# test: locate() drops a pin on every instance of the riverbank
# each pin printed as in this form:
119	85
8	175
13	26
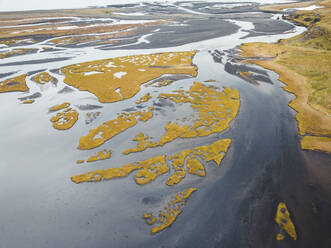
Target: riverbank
304	65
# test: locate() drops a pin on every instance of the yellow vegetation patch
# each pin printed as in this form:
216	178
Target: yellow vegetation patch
11	42
28	101
149	218
216	110
14	84
43	78
16	51
150	169
65	120
280	237
178	162
195	167
147	171
120	78
101	155
178	175
98	175
109	129
167	217
214	152
316	143
145	98
284	221
80	161
245	74
60	106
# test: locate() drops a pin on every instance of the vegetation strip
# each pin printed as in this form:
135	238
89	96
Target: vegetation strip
304	64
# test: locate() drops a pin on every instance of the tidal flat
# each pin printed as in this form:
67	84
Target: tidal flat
157	124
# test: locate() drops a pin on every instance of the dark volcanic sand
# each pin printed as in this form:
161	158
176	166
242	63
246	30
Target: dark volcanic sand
37	61
196	30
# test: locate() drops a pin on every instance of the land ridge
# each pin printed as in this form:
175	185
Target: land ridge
303	64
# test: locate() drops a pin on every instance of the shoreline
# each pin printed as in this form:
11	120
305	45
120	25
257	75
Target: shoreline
314	121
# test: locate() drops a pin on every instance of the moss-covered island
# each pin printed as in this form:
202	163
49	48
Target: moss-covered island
304	65
14	84
173	209
284	222
216	110
148	170
120	78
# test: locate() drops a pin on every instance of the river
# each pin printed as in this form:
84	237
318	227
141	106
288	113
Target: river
235	203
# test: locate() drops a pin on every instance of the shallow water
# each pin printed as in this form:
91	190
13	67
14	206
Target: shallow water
40	205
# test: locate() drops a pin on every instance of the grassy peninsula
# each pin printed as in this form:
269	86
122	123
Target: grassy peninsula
304	65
